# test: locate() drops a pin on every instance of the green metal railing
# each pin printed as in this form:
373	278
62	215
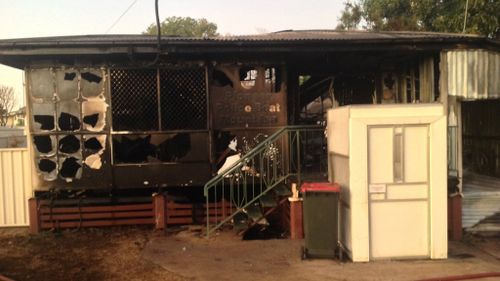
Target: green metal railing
287	155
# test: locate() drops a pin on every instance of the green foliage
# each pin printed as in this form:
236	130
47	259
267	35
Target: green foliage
184	27
483	16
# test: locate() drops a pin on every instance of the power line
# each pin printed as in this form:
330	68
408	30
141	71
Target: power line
120	17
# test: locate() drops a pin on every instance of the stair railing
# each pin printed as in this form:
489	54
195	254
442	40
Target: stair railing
284	156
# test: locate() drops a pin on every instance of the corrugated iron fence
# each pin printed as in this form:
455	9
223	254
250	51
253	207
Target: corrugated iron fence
15	186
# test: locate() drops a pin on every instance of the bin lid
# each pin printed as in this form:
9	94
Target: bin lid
319	187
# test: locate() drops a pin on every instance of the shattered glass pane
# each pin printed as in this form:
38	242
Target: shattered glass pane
68	116
94	114
45	145
94	143
41	83
47	168
92	82
43	117
69	144
70	168
133	149
67	84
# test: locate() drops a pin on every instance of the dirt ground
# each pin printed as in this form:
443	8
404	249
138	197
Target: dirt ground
87	254
132	253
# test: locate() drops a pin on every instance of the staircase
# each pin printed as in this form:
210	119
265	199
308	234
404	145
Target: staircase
259	182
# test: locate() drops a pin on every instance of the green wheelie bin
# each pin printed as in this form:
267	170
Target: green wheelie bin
321	219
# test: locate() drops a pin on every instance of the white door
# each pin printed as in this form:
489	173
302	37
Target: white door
398	186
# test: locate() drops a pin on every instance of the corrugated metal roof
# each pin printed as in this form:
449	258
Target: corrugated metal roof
281	36
473	74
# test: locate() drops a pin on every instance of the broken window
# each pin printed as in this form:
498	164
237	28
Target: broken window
68	116
70	168
69	144
45	145
93	82
248	77
43	117
133	149
94	143
41	84
272	80
48	168
168	147
56	105
67	84
94	114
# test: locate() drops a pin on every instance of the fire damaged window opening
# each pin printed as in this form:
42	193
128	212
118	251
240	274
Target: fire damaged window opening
250	77
91	77
93	144
69	76
182	105
69	144
70	167
68	122
43	144
140	149
46	165
46	121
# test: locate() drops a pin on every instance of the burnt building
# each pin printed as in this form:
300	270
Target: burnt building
115	112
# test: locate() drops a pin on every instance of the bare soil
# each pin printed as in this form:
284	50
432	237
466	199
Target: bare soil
87	254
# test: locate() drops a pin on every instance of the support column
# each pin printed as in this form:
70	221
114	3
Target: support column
34	216
160	211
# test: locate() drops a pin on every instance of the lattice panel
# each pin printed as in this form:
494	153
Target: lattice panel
183	99
134	100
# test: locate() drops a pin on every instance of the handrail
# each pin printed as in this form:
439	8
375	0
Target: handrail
256	150
271	171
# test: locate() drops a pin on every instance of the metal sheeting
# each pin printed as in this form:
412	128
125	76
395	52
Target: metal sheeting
481	202
15	187
473	74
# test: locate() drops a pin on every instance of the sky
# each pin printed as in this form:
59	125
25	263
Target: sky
36	18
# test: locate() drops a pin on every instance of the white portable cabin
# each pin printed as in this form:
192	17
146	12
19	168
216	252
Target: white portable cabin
390	161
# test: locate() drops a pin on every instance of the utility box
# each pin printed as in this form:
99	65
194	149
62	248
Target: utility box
321	222
390	161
